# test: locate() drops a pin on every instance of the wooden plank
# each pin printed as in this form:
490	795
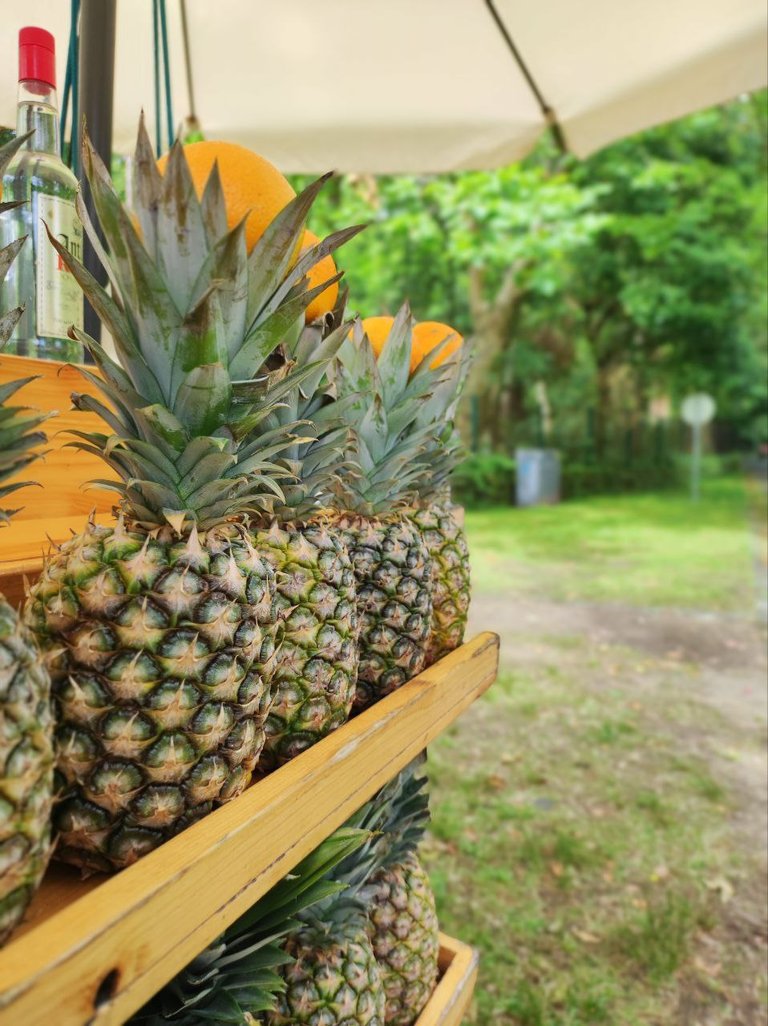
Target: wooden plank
458	966
63	470
96	959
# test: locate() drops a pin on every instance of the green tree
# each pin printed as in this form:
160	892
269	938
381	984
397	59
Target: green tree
583	286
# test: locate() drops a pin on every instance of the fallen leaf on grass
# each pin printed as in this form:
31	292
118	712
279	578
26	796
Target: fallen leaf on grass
496	782
723	888
556	869
584	936
706	968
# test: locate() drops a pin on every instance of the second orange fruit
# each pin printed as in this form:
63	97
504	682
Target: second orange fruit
426	335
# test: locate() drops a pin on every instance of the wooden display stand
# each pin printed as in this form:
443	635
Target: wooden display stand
91	952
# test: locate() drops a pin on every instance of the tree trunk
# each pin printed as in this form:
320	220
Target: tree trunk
492	322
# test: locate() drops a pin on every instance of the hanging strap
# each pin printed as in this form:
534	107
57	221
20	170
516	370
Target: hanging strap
162	70
69	151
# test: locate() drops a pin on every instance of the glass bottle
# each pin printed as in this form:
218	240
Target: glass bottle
37	176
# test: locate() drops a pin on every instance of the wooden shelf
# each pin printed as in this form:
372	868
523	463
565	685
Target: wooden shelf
458	968
92	952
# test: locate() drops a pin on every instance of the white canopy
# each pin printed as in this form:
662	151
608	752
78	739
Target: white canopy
421	85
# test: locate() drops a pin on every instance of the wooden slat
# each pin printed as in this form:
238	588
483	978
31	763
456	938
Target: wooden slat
458	967
99	957
64	470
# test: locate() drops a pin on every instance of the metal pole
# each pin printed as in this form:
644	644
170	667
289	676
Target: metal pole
695	461
96	87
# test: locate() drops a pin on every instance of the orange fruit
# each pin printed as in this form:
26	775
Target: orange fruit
377	329
427	335
251	185
318	273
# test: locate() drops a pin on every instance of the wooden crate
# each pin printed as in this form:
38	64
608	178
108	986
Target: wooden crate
62	503
92	952
458	976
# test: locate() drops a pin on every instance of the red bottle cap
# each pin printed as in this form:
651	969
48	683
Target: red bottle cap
37	56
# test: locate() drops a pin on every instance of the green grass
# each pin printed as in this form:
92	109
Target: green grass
580	833
577	867
653	549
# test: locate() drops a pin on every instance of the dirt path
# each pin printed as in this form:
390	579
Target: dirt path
701	680
710	659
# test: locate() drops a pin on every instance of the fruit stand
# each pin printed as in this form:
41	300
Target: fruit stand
96	949
91	948
236	667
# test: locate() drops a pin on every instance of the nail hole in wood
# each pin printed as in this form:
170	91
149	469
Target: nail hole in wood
107	988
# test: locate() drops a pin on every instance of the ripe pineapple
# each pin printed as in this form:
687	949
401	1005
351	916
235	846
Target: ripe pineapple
434	516
405	938
336	977
238	976
447	545
392	564
315	675
160	631
440	358
333	978
398	896
26	722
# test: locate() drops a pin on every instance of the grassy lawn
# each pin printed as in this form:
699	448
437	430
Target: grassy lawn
654	549
582	835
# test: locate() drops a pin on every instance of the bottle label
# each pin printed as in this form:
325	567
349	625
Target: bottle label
59	298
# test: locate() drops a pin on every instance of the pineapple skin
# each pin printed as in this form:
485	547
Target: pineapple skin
334	980
160	654
405	938
315	674
26	768
447	545
393	570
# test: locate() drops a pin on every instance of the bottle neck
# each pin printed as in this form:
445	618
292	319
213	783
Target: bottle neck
38	112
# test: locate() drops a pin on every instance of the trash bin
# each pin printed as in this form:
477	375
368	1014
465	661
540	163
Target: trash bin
537	476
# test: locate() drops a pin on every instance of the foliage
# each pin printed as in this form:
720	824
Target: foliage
590	290
484	478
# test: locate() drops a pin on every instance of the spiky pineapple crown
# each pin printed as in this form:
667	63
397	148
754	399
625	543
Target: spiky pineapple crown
194	318
396	818
403	441
318	459
19	436
235	977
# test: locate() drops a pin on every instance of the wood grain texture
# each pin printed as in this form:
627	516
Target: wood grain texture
63	472
96	957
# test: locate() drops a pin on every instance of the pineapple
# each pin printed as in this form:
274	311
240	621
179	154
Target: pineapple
26	721
442	375
333	978
160	630
315	675
392	563
398	896
447	545
238	976
405	938
435	516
